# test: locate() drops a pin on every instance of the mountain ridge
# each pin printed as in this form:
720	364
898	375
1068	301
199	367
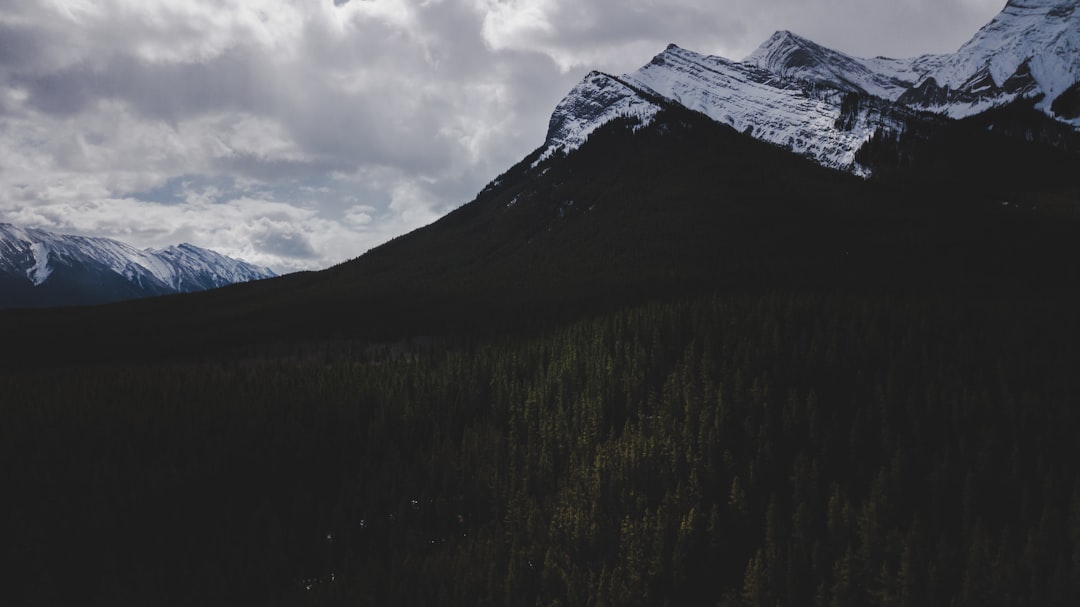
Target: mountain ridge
679	207
1036	41
40	268
791	56
793	92
640	149
656	361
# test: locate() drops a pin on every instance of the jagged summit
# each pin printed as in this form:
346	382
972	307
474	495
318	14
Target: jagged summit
595	101
38	267
1031	48
754	100
196	268
746	97
791	56
797	94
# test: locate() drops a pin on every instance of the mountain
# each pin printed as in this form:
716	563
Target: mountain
673	179
1030	50
794	58
748	98
40	269
676	309
677	207
826	105
657	361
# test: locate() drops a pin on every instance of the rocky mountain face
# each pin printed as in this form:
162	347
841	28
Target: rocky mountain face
40	268
826	105
1031	49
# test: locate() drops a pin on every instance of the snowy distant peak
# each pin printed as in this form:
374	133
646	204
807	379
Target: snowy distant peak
702	82
1031	42
748	97
595	101
44	250
1031	48
32	258
791	56
785	51
754	100
825	104
197	268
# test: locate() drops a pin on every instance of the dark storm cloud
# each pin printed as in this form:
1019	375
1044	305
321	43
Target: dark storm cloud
18	46
289	244
339	129
169	92
275	170
300	133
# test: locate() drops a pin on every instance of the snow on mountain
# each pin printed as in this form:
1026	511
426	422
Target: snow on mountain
1031	48
754	100
31	257
793	57
597	100
39	272
196	269
746	97
798	94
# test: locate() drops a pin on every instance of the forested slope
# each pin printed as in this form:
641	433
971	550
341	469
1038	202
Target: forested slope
676	366
682	207
781	449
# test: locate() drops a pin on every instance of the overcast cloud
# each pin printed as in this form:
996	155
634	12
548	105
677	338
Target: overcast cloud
300	134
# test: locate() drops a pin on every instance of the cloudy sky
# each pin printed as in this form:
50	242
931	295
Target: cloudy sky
298	134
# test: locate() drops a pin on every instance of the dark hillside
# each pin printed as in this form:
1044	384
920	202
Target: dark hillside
683	206
1005	152
755	451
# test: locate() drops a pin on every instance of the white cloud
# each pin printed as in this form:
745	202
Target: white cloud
300	133
360	215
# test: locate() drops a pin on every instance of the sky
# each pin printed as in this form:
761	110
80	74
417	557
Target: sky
299	134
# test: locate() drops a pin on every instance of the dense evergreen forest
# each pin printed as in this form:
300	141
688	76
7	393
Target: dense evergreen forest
777	449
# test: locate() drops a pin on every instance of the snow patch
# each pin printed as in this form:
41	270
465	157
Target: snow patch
1043	34
40	271
35	253
794	93
596	101
751	99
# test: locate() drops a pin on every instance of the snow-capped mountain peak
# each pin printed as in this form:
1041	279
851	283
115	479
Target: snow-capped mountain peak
1031	48
196	268
744	96
595	101
38	267
820	102
791	56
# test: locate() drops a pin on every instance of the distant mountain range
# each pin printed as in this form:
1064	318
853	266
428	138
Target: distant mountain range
799	167
827	105
39	268
1018	78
